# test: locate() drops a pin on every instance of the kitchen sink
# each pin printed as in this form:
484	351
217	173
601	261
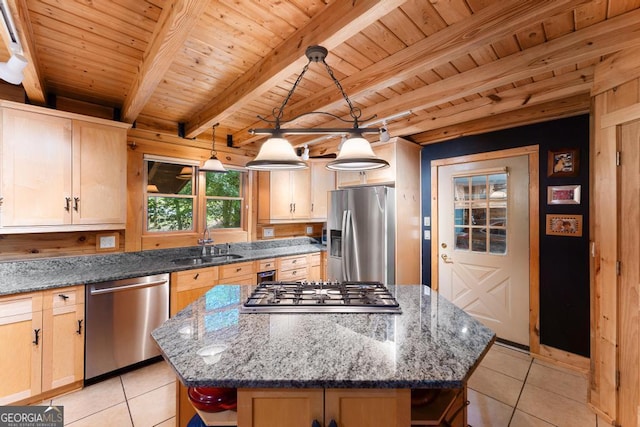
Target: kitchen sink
207	259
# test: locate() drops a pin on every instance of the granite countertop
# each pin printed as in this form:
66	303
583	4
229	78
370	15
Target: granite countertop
432	344
26	276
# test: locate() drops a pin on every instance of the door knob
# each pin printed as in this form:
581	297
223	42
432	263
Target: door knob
446	259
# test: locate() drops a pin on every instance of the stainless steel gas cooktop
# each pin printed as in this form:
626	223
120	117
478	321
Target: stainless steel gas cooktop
321	297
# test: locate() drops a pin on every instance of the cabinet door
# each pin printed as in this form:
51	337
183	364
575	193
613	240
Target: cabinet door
99	174
301	193
386	175
21	356
368	407
282	408
63	337
36	169
323	180
281	205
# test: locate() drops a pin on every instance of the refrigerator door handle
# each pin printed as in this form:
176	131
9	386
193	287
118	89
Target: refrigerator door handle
343	250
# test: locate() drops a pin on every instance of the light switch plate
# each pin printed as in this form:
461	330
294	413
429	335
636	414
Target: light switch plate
427	234
267	232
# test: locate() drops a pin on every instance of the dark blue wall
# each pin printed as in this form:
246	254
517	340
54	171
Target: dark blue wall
564	261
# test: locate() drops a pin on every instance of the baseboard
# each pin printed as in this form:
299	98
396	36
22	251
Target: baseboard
563	358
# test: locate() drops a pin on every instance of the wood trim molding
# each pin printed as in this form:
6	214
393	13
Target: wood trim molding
534	224
563	358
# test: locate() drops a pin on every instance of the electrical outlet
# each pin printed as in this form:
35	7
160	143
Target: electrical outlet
107	242
267	232
309	229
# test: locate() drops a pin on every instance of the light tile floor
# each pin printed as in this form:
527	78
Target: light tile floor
509	389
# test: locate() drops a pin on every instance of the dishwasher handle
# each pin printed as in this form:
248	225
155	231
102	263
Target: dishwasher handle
113	289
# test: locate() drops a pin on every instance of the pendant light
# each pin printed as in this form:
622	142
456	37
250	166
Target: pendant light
213	164
277	153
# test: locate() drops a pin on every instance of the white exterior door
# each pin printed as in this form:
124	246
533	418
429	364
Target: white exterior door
483	246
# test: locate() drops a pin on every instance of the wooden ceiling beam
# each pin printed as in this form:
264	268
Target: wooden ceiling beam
567	107
177	20
335	24
553	89
32	83
592	42
494	22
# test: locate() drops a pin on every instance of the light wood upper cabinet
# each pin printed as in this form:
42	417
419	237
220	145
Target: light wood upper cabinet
300	195
323	180
36	169
60	171
99	174
386	151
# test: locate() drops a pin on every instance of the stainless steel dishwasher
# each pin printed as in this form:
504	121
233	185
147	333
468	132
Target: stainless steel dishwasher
119	318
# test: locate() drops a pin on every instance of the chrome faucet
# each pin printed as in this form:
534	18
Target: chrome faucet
206	239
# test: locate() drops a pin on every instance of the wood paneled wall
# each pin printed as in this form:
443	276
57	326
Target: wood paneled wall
44	245
615	309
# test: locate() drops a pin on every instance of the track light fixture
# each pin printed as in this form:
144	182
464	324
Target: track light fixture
277	153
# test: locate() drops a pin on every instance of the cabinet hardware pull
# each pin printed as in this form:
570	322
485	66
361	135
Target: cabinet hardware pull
1	199
294	208
37	333
311	207
67	206
333	423
63	296
315	424
290	207
294	261
75	203
79	331
196	276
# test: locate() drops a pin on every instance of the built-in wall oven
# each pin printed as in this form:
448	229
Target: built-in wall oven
120	316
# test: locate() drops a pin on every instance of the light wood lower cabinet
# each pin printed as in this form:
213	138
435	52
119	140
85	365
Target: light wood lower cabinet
63	337
315	267
292	268
45	334
186	287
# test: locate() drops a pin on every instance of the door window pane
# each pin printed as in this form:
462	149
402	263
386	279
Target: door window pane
480	205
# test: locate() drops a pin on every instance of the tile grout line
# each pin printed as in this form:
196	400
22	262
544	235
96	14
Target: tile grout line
524	382
126	400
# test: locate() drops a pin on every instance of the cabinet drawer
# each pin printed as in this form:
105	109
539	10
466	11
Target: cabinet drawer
315	259
299	273
237	269
197	278
267	264
63	297
289	263
19	305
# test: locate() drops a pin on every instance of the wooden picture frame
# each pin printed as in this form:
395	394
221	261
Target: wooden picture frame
564	225
561	163
563	194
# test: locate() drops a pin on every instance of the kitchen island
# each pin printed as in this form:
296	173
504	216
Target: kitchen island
431	345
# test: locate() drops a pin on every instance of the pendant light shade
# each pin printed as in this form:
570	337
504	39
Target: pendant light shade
276	154
213	164
356	154
185	173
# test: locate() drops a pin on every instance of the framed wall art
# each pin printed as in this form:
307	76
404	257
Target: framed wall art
563	163
563	195
564	225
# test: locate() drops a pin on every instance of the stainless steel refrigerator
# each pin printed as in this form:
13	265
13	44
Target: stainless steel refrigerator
361	234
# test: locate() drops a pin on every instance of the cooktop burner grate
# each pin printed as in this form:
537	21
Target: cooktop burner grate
321	297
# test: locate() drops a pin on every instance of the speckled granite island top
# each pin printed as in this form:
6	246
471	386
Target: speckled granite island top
36	275
432	344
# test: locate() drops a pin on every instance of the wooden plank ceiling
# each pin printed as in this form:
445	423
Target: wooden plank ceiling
453	67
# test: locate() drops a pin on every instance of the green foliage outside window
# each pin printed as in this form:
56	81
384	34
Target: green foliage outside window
224	201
